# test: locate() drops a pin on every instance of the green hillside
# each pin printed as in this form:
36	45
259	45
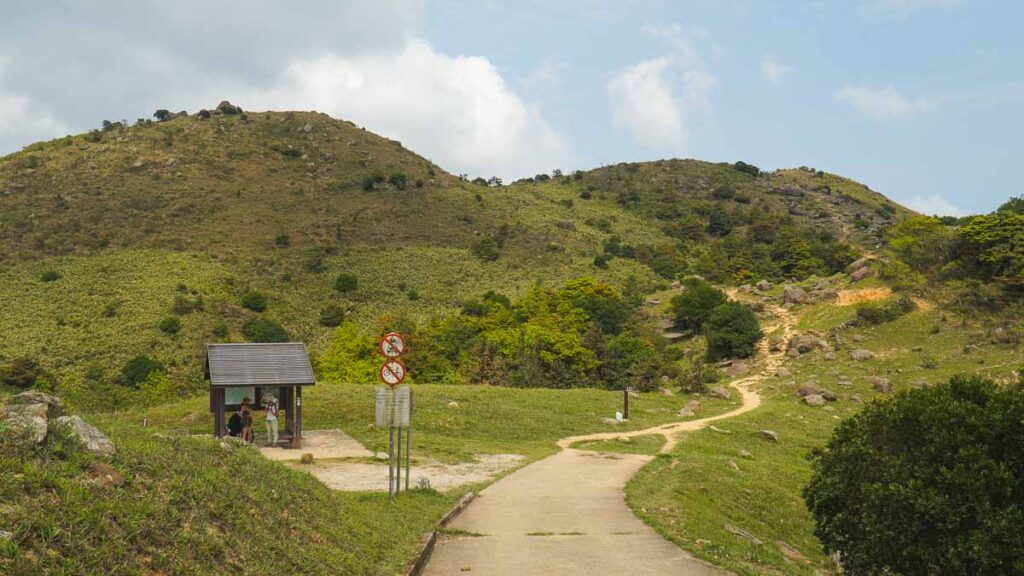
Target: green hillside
143	240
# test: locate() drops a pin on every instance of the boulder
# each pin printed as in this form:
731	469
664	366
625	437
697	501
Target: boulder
769	435
783	373
746	454
106	474
566	225
860	355
690	409
228	108
28	414
860	274
738	368
804	343
814	400
91	438
453	404
882	385
665	391
204	113
794	295
857	264
855	398
764	285
775	343
719	392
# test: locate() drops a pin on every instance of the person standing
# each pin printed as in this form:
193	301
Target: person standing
246	412
271	418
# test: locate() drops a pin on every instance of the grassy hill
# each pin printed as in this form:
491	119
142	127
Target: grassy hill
105	235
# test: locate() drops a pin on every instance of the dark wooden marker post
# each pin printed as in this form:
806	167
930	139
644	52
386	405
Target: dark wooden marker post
625	402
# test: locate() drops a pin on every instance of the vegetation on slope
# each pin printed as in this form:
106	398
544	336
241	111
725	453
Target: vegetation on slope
183	505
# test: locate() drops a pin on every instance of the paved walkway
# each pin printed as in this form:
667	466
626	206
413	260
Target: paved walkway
567	515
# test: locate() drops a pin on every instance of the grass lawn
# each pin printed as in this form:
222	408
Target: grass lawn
453	422
190	506
633	445
746	514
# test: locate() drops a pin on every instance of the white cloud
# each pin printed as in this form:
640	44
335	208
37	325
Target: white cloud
654	100
546	76
933	205
882	103
458	110
21	119
773	70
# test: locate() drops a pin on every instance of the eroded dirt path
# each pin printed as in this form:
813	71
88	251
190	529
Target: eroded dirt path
566	514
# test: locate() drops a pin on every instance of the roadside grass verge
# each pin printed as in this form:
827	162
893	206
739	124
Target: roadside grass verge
630	445
190	506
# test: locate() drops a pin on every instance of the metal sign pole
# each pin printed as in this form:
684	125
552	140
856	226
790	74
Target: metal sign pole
391	462
408	449
398	464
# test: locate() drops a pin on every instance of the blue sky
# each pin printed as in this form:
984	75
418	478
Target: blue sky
919	99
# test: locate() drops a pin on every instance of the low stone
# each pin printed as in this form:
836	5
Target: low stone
734	466
814	400
793	353
27	422
54	405
775	343
665	391
91	438
882	385
453	404
566	224
860	274
228	108
783	373
857	264
719	392
920	383
861	355
106	474
381	455
808	389
804	343
685	413
764	285
794	295
738	368
746	454
769	435
856	398
610	421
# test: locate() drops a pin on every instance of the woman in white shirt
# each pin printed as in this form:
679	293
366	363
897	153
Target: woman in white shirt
271	419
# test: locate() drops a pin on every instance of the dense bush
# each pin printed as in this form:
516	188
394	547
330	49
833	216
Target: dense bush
397	180
887	312
486	249
693	306
747	168
253	300
584	334
20	373
50	276
346	283
136	370
731	331
332	315
184	305
170	325
930	482
264	330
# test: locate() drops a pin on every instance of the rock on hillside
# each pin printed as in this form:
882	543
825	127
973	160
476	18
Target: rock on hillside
31	417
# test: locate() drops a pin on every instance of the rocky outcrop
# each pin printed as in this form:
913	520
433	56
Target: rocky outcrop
719	392
228	108
882	385
32	416
764	285
91	438
794	295
804	343
860	274
860	355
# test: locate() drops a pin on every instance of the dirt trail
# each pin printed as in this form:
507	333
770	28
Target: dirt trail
861	295
770	362
566	514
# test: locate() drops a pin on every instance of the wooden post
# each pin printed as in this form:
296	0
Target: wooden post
625	403
288	406
297	435
217	402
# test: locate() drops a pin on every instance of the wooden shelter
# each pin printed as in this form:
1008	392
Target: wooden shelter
236	371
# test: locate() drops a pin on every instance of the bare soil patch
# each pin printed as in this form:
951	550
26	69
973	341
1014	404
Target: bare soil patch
862	295
373	477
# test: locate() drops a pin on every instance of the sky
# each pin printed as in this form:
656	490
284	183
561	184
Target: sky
922	100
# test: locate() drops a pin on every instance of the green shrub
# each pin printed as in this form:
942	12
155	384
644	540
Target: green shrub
220	330
601	261
170	325
331	316
253	300
282	240
412	295
586	195
731	331
264	330
20	373
184	305
927	483
371	181
693	307
747	168
887	312
346	283
397	180
136	370
50	276
486	249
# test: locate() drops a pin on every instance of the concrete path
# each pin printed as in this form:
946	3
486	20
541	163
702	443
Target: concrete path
567	515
